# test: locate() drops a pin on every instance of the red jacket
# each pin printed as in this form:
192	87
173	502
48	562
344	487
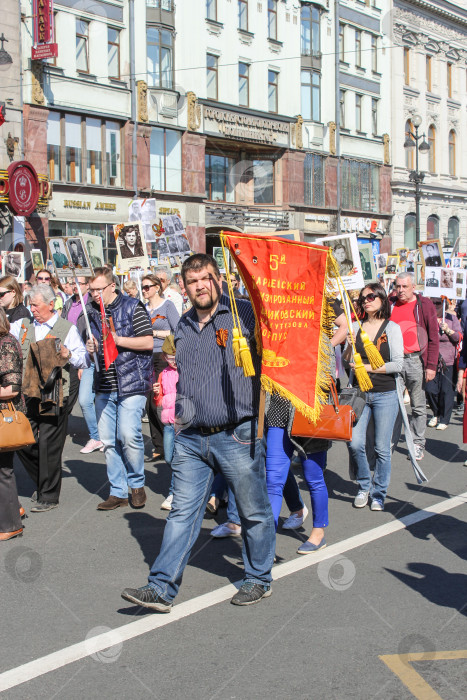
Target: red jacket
427	331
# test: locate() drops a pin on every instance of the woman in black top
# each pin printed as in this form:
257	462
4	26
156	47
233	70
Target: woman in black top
11	298
381	401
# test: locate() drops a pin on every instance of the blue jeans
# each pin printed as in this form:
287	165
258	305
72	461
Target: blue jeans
239	455
279	453
119	424
291	496
384	406
169	439
86	398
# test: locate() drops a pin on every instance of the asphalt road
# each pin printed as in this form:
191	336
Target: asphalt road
388	585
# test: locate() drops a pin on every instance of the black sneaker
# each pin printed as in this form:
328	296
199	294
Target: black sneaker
43	507
148	598
250	593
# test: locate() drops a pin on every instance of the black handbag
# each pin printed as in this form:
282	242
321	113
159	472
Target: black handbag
353	396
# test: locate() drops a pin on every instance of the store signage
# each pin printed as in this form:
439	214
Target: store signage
79	204
245	127
23	188
355	224
43	30
321	219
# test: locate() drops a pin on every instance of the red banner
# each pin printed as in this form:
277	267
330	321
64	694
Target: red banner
286	281
42	21
108	343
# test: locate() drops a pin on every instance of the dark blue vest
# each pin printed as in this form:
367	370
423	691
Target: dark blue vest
134	368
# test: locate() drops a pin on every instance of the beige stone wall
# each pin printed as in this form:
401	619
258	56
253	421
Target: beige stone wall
10	82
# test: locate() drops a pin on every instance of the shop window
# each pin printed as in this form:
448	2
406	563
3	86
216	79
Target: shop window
432	227
360	185
159	46
94	151
211	76
272	19
73	145
53	146
432	151
410	237
82	46
273	91
112	146
314	180
310	30
243	84
263	181
243	15
452	152
453	230
220	185
166	160
310	95
113	52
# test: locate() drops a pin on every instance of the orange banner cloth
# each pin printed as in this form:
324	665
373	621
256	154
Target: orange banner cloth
287	282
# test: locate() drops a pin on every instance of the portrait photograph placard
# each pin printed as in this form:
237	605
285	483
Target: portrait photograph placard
131	246
419	274
78	256
218	256
94	249
381	260
37	260
433	282
345	251
60	257
431	253
392	264
367	261
13	265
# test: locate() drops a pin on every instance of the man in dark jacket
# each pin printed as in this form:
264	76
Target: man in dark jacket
122	388
416	316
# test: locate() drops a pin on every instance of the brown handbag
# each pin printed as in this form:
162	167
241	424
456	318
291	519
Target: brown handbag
15	429
334	423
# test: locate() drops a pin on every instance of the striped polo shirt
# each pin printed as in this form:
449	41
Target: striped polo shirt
211	390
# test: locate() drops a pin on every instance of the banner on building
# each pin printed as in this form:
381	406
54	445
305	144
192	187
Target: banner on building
288	283
43	30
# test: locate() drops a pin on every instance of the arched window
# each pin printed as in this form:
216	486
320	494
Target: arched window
452	152
409	152
453	230
410	238
432	227
432	151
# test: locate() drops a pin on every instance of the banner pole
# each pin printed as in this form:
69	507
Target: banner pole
86	318
262	406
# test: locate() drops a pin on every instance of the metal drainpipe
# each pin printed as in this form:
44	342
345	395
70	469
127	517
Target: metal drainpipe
337	116
134	147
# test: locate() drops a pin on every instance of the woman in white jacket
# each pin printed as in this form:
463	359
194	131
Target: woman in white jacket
382	401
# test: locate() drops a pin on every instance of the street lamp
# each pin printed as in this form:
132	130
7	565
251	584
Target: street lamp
416	176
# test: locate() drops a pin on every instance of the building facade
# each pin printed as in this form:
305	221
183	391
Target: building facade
429	80
224	111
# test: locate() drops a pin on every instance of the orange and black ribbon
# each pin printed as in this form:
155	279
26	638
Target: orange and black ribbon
221	337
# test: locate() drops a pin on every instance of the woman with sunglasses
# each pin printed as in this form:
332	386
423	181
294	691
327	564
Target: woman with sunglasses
44	277
11	299
382	401
164	319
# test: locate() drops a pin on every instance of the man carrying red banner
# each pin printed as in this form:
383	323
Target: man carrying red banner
122	337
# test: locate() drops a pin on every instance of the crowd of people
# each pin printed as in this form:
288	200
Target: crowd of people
174	370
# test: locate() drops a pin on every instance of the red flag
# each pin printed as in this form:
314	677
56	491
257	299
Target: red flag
2	116
108	343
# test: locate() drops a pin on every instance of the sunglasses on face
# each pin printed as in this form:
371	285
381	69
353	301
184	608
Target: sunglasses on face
147	287
43	279
369	297
2	294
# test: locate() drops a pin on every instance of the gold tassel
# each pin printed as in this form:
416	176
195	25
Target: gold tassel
245	356
236	346
372	352
364	381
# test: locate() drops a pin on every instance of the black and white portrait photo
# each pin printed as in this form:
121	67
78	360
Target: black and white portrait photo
182	243
131	246
13	265
345	252
432	253
78	255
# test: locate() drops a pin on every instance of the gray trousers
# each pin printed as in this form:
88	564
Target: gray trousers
413	377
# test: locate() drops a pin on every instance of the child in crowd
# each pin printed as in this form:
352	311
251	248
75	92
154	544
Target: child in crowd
165	392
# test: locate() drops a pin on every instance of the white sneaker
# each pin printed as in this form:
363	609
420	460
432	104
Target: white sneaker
144	419
294	521
225	531
91	446
433	422
419	453
441	426
167	504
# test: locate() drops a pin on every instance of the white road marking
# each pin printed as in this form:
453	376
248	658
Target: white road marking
81	650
